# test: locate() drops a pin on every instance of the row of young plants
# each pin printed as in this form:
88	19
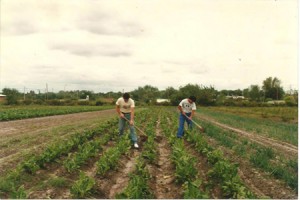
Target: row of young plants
138	186
264	158
285	132
24	112
222	172
85	151
284	114
84	187
185	164
109	160
11	185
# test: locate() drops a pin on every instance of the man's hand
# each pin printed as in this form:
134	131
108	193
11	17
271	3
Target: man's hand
122	115
131	122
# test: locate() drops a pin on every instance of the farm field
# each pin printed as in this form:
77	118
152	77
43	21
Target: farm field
23	112
81	156
283	114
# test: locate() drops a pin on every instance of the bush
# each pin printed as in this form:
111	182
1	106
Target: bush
55	102
83	103
290	101
27	102
99	103
39	102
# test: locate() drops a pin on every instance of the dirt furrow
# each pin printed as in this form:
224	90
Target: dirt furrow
203	168
121	178
57	170
32	135
164	185
283	146
262	184
19	127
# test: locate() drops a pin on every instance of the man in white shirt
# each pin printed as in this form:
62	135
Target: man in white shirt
187	109
125	109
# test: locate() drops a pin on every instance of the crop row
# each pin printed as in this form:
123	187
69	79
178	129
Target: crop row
282	131
264	158
85	186
13	113
11	184
138	186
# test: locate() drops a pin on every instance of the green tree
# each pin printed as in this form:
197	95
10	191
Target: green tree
185	92
290	100
169	92
12	95
246	93
254	92
272	89
147	94
207	96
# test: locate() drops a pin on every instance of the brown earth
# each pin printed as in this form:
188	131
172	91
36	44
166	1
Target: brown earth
262	184
163	184
284	147
23	137
31	135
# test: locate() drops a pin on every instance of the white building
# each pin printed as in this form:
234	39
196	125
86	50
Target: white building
162	100
2	97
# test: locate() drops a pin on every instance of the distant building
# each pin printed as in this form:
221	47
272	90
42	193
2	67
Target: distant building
235	97
2	97
276	102
162	100
86	99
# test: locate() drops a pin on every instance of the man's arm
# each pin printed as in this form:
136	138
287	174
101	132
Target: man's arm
193	113
180	109
131	115
119	111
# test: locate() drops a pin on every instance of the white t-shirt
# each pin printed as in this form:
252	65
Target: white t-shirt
125	106
186	106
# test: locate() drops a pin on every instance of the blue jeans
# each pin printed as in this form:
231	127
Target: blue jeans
182	119
122	124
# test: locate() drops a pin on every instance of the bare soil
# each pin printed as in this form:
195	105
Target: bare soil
281	146
262	184
163	184
23	137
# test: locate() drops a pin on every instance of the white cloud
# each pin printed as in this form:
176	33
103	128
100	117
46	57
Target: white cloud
108	45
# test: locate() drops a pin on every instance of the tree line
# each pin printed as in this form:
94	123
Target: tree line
254	95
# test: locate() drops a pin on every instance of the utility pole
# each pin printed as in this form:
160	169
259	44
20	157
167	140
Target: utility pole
46	91
24	93
65	91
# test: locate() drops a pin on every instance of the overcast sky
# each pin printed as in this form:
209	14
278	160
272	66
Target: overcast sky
122	45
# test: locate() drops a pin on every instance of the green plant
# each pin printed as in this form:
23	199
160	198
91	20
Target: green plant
232	188
185	164
192	190
58	182
19	193
137	187
30	166
82	187
214	156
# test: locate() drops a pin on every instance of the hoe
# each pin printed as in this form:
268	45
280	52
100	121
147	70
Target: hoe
200	127
143	136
